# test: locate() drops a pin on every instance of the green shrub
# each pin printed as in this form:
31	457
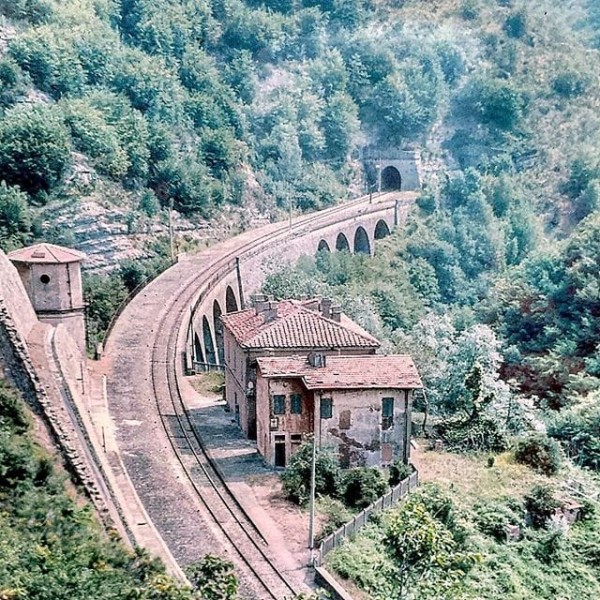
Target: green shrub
549	546
15	218
336	514
515	25
13	82
494	102
363	485
296	478
214	578
583	170
50	58
493	519
97	139
398	472
149	203
483	434
570	84
540	505
34	148
469	10
34	11
578	430
440	505
540	453
12	411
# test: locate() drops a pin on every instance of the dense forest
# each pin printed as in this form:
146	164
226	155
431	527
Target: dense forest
493	285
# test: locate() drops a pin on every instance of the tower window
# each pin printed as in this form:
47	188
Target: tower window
45	278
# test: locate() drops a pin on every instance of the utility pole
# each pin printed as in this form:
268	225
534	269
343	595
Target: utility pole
313	472
289	199
171	244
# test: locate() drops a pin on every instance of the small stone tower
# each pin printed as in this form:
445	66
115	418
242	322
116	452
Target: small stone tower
52	277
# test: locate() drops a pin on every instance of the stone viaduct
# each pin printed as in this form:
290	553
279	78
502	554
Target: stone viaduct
353	227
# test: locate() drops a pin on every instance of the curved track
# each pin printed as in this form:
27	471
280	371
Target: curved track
181	488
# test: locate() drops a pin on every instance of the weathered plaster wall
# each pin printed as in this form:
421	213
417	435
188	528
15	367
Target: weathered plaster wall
355	426
288	424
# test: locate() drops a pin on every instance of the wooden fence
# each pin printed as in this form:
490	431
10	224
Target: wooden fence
392	497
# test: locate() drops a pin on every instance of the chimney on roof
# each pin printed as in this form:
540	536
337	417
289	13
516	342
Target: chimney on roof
336	313
270	312
317	359
326	307
261	303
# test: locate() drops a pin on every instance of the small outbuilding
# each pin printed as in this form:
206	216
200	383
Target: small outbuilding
51	276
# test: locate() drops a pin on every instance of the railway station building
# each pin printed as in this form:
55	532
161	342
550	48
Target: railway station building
286	328
298	367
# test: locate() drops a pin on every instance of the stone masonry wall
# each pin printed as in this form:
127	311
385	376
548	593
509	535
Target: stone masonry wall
18	328
14	295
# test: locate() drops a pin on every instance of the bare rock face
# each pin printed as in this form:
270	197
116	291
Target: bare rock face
7	33
109	234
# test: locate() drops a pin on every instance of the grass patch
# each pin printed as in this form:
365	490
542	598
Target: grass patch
211	382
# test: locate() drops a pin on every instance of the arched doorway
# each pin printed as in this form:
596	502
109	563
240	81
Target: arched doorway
341	243
231	304
381	230
211	357
361	242
391	179
218	331
323	246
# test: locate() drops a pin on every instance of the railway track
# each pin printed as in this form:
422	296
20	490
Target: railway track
234	528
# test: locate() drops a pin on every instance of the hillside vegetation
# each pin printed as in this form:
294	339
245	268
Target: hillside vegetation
211	103
222	106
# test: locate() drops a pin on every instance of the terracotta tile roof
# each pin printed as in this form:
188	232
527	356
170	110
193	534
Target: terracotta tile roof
295	326
46	254
346	372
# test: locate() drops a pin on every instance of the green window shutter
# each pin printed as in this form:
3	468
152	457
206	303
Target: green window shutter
326	408
296	404
279	405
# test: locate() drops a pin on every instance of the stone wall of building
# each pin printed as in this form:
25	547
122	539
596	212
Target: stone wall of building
27	362
286	429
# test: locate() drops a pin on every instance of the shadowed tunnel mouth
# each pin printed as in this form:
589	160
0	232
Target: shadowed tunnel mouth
391	179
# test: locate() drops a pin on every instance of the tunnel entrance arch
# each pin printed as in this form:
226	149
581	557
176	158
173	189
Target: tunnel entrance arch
391	180
231	304
381	230
341	243
361	242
